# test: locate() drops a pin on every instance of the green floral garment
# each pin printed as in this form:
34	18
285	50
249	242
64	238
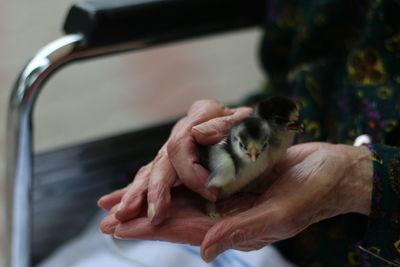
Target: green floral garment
341	61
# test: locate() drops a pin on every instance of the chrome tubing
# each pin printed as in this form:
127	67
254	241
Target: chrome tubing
19	150
19	157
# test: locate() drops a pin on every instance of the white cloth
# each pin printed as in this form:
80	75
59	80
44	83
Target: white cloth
93	249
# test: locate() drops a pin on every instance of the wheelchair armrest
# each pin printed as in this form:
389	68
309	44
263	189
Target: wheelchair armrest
105	22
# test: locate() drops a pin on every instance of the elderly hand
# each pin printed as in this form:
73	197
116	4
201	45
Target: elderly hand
206	123
316	181
186	221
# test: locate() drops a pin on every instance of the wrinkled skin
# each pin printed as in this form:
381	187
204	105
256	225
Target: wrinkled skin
315	181
177	158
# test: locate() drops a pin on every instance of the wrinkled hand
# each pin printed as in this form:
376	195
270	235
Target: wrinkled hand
186	221
206	123
316	181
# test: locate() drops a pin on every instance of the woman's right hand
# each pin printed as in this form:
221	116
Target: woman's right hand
206	123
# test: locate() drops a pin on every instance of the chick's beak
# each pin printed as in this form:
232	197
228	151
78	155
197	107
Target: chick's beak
254	153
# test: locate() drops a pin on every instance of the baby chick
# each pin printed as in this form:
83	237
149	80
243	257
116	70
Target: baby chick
242	161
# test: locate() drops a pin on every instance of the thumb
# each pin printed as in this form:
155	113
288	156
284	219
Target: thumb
249	230
214	130
216	240
240	231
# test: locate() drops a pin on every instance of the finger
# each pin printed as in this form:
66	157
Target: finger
180	230
114	209
177	183
214	130
203	110
186	163
183	155
108	201
162	179
108	224
182	148
259	244
132	201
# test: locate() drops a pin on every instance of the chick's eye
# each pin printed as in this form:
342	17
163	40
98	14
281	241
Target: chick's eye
242	145
280	120
264	145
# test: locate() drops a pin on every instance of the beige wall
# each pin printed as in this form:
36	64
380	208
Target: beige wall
110	95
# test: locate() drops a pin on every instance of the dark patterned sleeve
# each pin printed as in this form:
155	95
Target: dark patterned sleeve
382	238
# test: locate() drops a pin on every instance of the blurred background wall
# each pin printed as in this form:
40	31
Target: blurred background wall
110	95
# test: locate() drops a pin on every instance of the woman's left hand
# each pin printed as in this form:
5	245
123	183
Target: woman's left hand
316	181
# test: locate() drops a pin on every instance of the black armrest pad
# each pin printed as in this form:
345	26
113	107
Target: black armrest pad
105	22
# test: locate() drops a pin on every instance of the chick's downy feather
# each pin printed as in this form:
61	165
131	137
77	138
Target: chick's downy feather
244	158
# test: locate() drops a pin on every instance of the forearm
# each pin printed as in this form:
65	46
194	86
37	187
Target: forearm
358	183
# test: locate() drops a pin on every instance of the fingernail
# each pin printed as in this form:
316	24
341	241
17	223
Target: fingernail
101	200
118	237
151	211
120	206
209	195
206	130
108	227
211	252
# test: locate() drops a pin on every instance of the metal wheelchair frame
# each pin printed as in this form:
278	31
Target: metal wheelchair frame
91	33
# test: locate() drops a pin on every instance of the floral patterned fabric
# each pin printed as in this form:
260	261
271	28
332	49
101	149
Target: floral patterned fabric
340	59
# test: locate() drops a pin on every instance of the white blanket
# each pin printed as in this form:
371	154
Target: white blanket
93	249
